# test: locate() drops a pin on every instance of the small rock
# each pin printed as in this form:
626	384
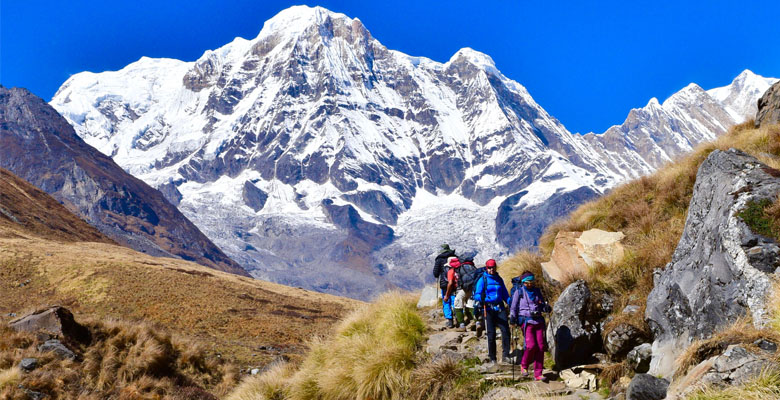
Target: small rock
631	309
12	314
504	393
579	378
29	364
254	371
58	348
647	387
766	345
639	358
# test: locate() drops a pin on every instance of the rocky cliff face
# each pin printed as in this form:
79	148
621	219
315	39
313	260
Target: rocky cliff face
261	136
720	270
38	145
769	107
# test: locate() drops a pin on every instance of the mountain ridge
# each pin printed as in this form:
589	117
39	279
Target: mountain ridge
324	112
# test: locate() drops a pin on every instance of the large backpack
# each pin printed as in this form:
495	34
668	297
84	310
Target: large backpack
517	283
469	275
440	267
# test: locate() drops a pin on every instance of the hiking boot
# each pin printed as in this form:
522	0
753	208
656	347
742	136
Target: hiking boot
480	329
508	360
462	327
448	325
523	372
542	379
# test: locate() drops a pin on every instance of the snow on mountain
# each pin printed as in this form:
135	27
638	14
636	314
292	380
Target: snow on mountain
315	156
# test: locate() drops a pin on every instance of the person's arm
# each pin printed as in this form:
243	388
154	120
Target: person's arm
477	296
503	294
450	284
513	308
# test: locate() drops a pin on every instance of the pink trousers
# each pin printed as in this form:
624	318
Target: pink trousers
534	342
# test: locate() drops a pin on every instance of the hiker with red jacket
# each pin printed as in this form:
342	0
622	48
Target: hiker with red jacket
528	303
454	291
440	272
491	295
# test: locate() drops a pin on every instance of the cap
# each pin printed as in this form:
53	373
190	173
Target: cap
490	263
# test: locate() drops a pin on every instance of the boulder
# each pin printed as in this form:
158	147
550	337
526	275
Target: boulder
429	297
575	253
734	366
769	107
55	321
621	340
639	358
720	270
57	348
571	335
647	387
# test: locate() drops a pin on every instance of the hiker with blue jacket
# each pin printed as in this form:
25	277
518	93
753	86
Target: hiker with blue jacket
490	294
528	303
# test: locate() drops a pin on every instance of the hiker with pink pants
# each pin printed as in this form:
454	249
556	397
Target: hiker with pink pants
528	303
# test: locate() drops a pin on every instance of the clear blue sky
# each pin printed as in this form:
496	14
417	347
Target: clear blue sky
587	63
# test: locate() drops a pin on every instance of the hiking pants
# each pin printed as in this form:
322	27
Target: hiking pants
534	343
497	318
458	303
446	307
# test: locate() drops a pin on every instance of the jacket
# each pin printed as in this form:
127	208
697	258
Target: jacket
493	287
525	303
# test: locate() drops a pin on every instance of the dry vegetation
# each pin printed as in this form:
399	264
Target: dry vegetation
374	354
651	211
123	360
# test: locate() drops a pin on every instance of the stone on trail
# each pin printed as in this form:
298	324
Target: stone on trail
428	298
580	378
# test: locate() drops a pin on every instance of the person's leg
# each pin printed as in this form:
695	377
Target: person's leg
530	347
457	305
539	357
490	324
446	306
506	337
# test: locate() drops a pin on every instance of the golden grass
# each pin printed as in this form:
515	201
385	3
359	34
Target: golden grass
270	385
235	315
371	355
651	211
124	360
765	386
9	377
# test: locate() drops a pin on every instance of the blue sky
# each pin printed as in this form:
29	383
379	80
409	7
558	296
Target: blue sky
587	63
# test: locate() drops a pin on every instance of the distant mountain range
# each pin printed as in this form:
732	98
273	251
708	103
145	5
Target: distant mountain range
39	146
315	156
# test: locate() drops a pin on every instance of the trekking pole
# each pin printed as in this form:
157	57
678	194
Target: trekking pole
512	338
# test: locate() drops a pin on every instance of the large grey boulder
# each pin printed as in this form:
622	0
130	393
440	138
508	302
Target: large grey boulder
769	107
571	334
647	387
53	321
622	339
638	358
720	270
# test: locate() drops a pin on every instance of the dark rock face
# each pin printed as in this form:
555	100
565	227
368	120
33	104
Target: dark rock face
171	193
346	217
54	321
38	145
720	270
519	227
253	196
571	334
769	107
647	387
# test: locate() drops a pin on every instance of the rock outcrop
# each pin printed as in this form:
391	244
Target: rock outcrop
769	107
55	322
576	252
720	270
647	387
571	334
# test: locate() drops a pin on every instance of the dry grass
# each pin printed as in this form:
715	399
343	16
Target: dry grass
248	321
651	211
124	360
9	377
444	378
372	355
270	385
764	387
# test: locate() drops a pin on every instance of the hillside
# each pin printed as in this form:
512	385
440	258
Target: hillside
38	145
51	257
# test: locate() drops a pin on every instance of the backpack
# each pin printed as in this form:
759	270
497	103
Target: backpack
469	275
517	284
440	267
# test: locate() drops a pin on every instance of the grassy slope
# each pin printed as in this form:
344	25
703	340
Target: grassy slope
69	263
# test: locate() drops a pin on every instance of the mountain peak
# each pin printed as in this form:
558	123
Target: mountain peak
296	19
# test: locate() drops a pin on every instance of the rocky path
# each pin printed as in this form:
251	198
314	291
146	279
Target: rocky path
463	344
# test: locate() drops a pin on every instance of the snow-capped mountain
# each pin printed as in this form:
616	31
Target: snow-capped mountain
315	156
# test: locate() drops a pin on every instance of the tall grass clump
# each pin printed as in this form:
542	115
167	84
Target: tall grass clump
371	355
765	386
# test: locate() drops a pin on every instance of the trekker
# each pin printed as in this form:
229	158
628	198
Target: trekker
490	294
440	272
454	293
528	303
